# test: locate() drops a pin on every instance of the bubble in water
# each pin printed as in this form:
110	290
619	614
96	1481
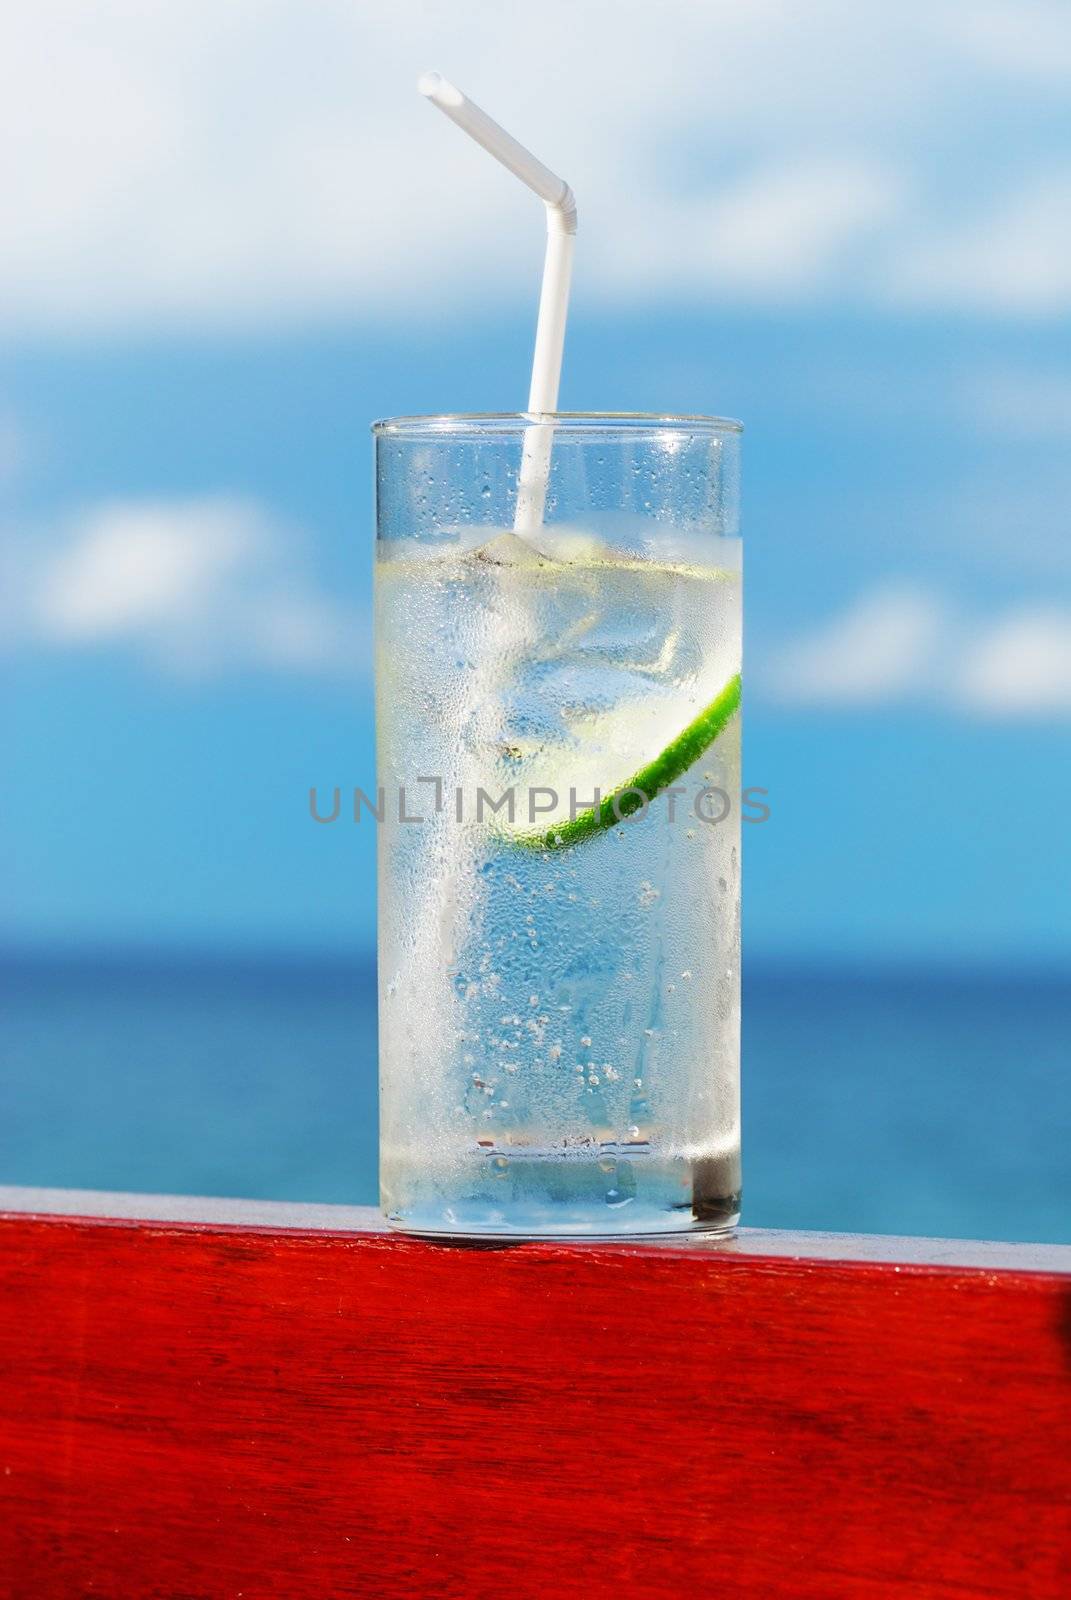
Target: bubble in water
499	1166
623	1186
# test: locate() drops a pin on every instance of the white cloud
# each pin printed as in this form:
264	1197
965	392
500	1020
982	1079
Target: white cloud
877	650
1020	665
791	225
1013	258
186	161
136	568
1030	38
779	232
897	646
197	587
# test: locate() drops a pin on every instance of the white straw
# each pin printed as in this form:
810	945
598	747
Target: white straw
554	297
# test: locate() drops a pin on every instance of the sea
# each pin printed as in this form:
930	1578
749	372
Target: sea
931	1102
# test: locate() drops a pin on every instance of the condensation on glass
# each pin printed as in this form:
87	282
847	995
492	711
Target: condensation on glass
558	741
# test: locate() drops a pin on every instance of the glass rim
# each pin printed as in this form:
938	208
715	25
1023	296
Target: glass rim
625	423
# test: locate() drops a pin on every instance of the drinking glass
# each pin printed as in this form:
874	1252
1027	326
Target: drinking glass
558	793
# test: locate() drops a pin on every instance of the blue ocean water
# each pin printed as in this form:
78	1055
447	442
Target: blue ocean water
883	1101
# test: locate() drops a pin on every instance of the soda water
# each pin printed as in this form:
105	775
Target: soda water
559	989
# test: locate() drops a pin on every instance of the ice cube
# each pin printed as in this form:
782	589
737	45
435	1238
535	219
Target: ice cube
510	550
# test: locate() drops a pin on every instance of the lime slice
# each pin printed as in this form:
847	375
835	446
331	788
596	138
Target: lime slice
648	782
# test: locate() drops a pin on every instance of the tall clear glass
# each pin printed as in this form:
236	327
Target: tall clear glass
559	877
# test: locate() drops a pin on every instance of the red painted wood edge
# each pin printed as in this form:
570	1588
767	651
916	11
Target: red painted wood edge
194	1410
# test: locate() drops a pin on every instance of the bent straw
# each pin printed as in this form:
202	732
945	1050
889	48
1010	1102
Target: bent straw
554	295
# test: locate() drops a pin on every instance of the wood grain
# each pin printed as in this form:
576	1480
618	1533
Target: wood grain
194	1410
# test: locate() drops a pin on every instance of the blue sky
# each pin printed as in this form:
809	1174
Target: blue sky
240	236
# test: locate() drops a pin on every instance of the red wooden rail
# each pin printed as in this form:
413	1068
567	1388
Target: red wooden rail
270	1402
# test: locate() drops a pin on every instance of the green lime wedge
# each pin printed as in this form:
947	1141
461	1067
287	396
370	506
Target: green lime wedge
640	790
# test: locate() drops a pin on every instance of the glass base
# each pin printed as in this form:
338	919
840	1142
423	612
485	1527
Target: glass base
658	1224
549	1198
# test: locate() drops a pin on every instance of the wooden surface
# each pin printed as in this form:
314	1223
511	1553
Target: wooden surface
206	1408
